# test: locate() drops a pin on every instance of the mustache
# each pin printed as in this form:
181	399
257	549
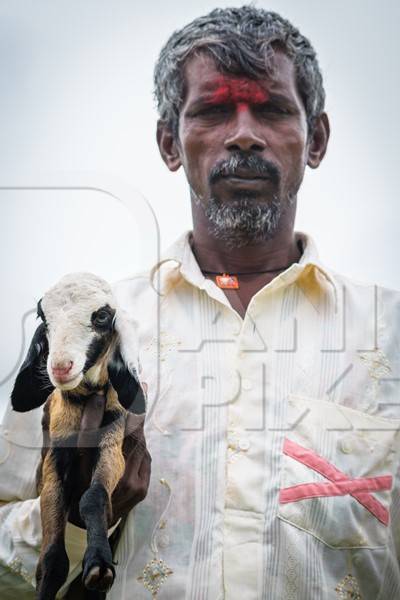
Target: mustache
240	162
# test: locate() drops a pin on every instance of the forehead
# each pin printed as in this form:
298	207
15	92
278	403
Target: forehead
75	298
202	77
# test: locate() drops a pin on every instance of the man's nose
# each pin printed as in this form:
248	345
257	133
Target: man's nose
245	133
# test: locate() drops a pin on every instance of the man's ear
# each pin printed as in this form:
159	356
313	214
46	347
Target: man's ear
168	146
318	141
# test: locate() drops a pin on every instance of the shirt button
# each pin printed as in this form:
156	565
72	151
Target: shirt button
163	540
232	443
244	444
346	447
363	542
246	384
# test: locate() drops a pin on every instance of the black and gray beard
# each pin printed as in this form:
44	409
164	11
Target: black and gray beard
243	221
246	218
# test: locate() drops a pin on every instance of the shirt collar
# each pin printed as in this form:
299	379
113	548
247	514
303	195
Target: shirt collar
310	274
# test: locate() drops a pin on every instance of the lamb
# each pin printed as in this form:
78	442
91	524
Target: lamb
78	342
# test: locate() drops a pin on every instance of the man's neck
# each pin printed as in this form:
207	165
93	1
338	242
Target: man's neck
213	255
274	255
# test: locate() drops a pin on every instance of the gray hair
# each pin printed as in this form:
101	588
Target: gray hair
242	42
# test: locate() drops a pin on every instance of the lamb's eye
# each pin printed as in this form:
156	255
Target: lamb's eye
102	317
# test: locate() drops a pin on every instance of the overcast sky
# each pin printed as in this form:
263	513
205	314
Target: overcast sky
77	112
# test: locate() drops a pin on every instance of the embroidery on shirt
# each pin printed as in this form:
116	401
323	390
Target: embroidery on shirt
156	571
154	574
292	572
348	589
291	562
165	348
378	366
167	344
17	567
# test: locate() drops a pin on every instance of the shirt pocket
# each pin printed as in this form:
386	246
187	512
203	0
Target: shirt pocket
338	467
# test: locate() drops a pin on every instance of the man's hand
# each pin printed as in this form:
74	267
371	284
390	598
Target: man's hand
132	488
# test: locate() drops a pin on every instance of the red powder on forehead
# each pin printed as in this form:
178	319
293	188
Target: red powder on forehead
239	91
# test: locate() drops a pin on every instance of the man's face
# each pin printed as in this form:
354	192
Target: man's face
243	145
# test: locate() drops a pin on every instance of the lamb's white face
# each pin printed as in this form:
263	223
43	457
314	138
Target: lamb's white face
78	312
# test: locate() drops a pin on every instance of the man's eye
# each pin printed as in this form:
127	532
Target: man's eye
272	109
214	109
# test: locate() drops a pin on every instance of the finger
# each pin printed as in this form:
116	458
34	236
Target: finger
143	478
136	449
135	483
134	423
145	468
133	486
134	435
92	417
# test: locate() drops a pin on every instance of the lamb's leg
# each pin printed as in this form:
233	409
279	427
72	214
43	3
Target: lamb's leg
53	566
95	504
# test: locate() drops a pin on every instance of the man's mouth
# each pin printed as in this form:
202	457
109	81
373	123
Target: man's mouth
245	175
245	179
244	170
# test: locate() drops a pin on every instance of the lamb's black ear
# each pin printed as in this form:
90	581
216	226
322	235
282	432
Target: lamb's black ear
130	394
31	387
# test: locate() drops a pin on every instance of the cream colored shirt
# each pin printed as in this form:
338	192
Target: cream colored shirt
274	439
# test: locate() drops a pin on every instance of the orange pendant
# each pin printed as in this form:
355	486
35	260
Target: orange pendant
227	282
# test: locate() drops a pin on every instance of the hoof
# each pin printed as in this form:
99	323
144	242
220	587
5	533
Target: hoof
98	574
99	579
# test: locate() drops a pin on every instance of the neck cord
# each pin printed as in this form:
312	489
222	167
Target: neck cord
247	272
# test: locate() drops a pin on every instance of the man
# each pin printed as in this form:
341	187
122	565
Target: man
271	380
